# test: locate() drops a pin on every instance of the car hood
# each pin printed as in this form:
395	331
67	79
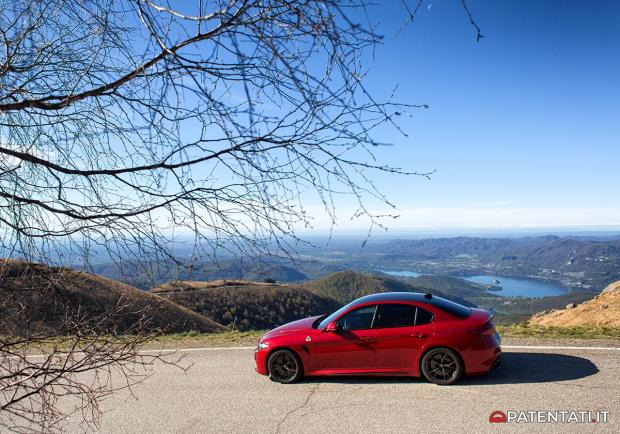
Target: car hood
300	325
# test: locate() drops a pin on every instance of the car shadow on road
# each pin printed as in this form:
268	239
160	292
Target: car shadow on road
529	367
516	368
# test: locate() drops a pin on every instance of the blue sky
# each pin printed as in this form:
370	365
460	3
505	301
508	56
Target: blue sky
523	126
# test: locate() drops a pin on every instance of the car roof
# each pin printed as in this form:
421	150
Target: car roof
394	296
446	305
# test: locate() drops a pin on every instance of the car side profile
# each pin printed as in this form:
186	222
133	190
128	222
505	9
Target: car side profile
392	333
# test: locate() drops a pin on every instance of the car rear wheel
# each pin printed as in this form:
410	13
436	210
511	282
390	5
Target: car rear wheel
442	366
284	366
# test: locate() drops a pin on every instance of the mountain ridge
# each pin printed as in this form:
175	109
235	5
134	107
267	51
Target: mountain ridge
37	298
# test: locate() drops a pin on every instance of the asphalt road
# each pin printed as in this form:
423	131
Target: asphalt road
221	393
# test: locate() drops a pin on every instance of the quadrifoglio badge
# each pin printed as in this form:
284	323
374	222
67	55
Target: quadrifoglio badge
554	416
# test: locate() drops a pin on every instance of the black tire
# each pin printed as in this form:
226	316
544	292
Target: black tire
442	366
284	367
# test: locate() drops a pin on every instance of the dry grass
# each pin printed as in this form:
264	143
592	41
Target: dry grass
603	311
250	338
198	340
193	285
523	330
38	298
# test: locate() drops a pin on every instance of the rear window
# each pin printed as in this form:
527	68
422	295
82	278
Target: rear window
451	307
423	316
394	315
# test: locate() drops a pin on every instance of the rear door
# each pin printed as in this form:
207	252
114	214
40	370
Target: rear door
402	329
351	347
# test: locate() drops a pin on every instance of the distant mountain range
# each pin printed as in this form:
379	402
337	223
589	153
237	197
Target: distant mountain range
147	275
575	262
264	293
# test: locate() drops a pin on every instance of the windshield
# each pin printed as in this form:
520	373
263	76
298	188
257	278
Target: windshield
315	324
333	316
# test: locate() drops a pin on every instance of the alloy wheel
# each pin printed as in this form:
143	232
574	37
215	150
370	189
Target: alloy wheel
284	367
442	366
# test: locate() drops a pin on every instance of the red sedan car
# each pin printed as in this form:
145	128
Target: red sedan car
392	333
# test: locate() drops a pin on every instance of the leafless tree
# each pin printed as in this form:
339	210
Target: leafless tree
127	126
63	349
45	378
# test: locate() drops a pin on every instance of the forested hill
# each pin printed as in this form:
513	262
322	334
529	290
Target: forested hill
246	305
256	305
348	285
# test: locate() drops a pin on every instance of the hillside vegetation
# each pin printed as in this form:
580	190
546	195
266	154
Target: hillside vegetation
602	310
37	298
246	305
348	285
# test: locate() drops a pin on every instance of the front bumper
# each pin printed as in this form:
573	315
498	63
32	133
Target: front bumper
260	357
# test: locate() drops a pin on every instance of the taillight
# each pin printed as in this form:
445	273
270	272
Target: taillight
481	330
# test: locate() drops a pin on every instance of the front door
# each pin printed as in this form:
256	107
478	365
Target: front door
351	347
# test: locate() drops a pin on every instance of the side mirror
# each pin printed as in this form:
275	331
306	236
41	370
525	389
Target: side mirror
331	327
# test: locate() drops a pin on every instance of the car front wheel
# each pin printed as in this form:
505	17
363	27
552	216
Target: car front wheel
284	367
442	366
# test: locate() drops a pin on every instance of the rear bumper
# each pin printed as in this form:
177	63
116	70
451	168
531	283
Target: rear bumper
483	359
497	362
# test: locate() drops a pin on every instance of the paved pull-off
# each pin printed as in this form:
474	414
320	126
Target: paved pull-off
221	393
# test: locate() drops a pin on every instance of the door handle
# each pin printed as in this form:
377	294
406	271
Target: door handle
367	340
418	335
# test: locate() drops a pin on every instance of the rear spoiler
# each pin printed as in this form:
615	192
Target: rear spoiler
492	313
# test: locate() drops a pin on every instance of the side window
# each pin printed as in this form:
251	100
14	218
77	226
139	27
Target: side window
394	315
358	319
423	317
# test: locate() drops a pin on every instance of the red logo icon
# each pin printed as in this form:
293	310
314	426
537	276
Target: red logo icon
498	417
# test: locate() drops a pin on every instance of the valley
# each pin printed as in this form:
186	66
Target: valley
252	294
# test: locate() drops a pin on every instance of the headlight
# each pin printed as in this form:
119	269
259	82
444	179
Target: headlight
263	345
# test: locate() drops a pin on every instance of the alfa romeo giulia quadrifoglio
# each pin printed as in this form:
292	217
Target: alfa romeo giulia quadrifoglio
392	333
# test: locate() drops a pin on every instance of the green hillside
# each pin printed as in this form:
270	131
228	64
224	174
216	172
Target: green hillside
247	305
348	285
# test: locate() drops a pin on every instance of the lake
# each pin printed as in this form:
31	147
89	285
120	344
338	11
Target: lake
511	286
